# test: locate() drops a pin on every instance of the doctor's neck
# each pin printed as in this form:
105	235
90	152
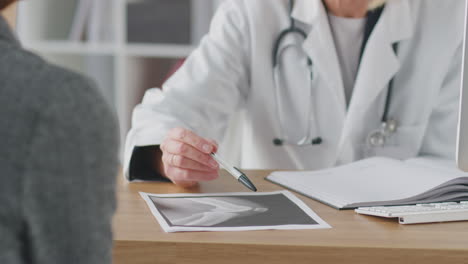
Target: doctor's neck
347	8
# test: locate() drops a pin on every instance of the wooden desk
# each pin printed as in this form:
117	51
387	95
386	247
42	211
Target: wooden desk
353	239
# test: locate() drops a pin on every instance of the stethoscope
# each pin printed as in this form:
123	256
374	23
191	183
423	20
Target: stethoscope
376	138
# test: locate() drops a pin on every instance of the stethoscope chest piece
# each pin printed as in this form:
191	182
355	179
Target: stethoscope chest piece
391	126
379	137
376	139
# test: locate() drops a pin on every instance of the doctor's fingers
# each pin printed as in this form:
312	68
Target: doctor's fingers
189	137
186	163
179	175
178	148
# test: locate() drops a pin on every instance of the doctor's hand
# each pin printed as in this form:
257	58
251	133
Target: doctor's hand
185	158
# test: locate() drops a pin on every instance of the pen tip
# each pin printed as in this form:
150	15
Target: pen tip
247	183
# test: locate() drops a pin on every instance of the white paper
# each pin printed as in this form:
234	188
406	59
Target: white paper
365	181
231	212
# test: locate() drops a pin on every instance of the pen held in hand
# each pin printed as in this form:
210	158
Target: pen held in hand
235	172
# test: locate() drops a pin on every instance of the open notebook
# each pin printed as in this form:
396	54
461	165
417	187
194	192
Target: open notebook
379	181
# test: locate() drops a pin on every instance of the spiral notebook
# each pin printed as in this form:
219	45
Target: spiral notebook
379	182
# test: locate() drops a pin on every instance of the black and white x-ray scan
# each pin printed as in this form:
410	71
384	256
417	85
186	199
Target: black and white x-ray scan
232	212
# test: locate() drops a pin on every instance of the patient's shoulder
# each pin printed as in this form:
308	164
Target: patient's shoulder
36	91
30	80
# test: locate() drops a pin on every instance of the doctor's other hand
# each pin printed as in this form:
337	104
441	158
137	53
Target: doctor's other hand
185	158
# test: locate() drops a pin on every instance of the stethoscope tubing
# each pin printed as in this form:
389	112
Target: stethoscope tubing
372	19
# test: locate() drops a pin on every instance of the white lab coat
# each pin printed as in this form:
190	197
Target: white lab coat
228	80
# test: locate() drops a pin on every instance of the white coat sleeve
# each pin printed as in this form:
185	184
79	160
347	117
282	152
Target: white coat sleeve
210	86
440	136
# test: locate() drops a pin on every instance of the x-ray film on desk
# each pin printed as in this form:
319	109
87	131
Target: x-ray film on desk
232	212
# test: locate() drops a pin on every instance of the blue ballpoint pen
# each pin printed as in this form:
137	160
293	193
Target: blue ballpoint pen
235	172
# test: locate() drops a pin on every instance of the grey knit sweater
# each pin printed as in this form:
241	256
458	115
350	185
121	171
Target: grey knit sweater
58	162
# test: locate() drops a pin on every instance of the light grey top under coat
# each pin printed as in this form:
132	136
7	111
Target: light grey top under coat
58	161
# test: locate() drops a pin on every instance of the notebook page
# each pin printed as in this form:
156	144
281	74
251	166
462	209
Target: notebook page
445	166
370	180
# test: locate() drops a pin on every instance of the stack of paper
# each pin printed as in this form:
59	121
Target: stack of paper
380	181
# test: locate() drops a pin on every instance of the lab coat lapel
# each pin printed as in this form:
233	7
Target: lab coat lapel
319	46
379	65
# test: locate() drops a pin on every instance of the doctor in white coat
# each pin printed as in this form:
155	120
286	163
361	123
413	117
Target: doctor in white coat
338	89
